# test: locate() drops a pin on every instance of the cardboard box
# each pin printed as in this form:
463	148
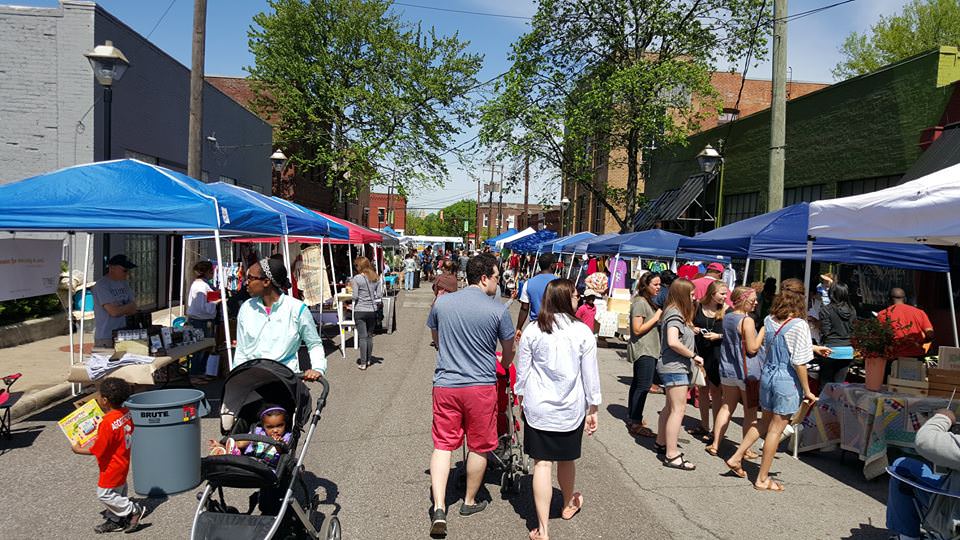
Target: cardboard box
909	369
618	306
908	383
943	376
949	358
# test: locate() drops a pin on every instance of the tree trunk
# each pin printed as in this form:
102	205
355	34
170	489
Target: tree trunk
630	204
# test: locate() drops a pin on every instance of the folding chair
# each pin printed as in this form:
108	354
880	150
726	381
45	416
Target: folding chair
912	482
7	400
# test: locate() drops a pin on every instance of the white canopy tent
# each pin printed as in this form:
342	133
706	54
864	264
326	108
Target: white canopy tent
522	234
920	211
424	240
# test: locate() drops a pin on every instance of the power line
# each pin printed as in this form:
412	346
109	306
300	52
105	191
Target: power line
160	20
482	14
807	13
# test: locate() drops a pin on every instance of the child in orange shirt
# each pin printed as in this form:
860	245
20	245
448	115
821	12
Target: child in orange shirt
112	450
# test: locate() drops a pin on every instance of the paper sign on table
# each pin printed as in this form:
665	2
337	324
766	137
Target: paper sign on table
80	426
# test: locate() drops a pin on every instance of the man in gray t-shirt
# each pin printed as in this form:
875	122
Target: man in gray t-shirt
466	327
112	300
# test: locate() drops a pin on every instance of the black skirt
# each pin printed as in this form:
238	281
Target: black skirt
552	445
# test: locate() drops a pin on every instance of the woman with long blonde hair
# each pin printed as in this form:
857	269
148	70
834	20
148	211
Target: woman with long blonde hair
783	379
367	297
677	357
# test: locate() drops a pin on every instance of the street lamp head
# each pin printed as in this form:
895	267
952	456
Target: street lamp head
708	159
108	63
279	159
564	202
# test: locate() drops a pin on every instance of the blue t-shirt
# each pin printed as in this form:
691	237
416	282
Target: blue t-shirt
469	325
533	292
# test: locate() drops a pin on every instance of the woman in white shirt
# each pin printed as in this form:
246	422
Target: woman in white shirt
559	386
201	311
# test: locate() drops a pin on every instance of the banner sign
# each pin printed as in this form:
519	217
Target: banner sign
29	267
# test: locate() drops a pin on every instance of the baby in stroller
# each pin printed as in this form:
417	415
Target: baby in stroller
273	424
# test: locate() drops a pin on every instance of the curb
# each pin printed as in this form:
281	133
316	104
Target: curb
34	401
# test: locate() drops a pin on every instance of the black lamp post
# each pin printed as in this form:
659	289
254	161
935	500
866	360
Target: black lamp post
709	160
564	203
109	65
278	160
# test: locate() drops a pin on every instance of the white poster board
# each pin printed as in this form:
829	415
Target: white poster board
29	267
313	277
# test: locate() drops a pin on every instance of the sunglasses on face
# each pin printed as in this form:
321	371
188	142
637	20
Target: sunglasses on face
252	277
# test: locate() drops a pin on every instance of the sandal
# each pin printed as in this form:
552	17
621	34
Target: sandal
751	455
638	430
576	502
660	448
702	433
684	465
772	485
738	470
711	450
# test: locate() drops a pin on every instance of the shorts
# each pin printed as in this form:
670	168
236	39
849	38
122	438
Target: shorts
674	379
470	411
733	381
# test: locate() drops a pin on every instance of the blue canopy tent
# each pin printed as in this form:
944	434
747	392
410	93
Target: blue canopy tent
127	196
389	230
581	247
651	243
783	235
558	245
528	244
505	234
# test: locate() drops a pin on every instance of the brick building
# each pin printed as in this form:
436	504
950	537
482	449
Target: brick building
386	209
587	212
512	217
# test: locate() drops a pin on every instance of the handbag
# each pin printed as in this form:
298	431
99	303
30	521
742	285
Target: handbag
751	386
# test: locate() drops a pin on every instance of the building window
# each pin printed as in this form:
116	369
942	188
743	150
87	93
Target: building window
381	214
597	226
486	220
739	207
581	213
728	115
803	194
366	215
866	185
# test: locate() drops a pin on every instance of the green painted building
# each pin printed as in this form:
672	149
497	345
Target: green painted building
855	136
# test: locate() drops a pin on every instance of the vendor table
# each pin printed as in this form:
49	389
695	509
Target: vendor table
142	373
867	422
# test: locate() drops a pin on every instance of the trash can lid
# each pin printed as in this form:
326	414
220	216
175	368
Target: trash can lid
161	399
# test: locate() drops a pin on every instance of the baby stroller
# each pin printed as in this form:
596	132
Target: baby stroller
508	458
248	387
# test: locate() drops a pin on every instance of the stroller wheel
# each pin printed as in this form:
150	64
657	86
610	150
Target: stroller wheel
506	484
515	483
333	529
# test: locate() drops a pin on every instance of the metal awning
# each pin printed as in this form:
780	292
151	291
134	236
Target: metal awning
942	153
673	203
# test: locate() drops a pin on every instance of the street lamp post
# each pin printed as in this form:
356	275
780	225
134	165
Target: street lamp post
109	65
279	160
709	159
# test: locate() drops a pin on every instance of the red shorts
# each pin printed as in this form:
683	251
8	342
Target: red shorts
471	410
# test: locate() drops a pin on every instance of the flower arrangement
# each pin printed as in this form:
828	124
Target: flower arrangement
872	338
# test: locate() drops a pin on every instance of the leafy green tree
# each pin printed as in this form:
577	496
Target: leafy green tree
604	79
354	90
446	222
923	25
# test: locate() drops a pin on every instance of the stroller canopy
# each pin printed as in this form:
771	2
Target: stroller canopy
266	381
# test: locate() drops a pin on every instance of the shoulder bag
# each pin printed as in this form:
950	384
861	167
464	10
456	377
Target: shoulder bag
752	386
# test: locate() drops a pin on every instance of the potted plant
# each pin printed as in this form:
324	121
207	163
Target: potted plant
874	340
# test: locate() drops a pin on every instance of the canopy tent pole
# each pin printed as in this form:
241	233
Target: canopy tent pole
170	285
83	291
183	270
285	250
70	292
531	268
953	310
333	271
746	272
222	278
807	265
322	279
573	257
579	271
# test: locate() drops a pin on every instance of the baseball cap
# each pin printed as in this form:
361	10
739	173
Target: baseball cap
591	292
715	266
121	260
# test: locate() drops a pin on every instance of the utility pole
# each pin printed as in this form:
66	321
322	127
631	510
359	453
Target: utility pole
194	135
490	188
500	206
778	118
526	190
389	216
476	232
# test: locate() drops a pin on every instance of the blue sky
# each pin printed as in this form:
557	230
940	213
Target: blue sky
812	45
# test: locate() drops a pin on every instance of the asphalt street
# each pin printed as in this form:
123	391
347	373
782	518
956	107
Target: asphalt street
369	461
